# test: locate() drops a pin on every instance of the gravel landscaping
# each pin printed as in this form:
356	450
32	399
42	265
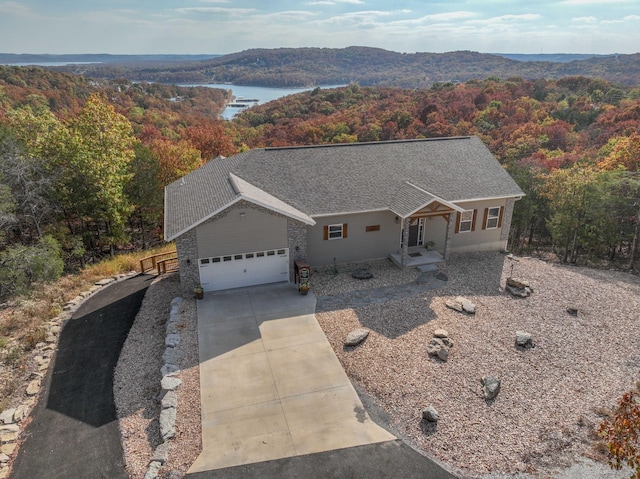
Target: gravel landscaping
137	384
552	397
546	412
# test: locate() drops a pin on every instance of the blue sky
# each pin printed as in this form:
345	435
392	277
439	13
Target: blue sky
226	26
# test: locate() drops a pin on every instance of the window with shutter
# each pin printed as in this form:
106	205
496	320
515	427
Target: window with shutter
492	217
466	221
337	231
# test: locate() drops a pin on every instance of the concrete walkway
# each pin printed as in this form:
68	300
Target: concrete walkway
271	384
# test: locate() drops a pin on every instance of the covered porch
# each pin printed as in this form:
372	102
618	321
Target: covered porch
427	225
419	257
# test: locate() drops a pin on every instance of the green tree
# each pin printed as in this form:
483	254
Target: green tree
568	192
93	156
21	266
145	190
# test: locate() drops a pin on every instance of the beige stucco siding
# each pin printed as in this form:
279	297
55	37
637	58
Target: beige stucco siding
243	228
359	244
435	229
479	240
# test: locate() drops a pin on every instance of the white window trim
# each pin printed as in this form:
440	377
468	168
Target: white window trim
336	226
495	217
463	221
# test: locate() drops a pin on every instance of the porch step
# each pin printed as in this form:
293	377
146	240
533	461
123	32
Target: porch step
427	268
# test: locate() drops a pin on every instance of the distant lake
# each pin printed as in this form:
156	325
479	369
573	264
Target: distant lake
47	64
261	93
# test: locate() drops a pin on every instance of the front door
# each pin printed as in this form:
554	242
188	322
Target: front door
416	232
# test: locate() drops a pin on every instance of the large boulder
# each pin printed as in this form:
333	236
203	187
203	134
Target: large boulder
430	414
362	273
518	287
439	347
462	305
524	340
356	336
490	387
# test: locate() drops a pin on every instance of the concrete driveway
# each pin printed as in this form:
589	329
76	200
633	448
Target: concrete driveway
271	385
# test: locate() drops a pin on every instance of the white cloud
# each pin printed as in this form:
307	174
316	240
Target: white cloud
584	19
216	10
604	3
289	15
15	8
525	16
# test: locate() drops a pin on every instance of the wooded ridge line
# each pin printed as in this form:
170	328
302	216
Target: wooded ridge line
294	67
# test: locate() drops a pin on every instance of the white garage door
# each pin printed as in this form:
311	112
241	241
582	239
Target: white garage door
246	269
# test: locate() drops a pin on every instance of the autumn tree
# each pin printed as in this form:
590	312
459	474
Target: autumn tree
621	432
93	156
211	139
175	159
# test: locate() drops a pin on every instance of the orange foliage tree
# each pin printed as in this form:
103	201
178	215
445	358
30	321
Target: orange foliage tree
622	433
175	159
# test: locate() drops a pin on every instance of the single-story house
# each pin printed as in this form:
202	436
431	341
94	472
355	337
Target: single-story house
243	220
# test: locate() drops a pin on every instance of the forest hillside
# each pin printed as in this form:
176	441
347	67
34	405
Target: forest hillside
289	67
83	163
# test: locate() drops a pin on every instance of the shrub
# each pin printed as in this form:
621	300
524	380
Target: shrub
622	433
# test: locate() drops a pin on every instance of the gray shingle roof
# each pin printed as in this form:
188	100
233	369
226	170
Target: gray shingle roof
345	178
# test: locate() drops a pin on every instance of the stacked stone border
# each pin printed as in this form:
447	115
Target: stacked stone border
13	420
168	397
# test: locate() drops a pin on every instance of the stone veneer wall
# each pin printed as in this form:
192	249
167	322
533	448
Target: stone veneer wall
506	219
296	242
187	248
451	228
187	244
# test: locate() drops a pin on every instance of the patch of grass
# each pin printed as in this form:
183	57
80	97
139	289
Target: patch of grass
14	357
34	337
3	342
6	390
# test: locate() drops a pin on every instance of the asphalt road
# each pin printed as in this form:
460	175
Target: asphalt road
74	431
387	460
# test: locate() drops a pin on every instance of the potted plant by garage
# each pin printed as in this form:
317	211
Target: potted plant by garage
304	288
199	292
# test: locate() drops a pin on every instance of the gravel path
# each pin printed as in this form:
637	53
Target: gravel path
137	384
546	413
544	418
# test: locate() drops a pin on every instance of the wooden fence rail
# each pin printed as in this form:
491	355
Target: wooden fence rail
167	265
151	262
